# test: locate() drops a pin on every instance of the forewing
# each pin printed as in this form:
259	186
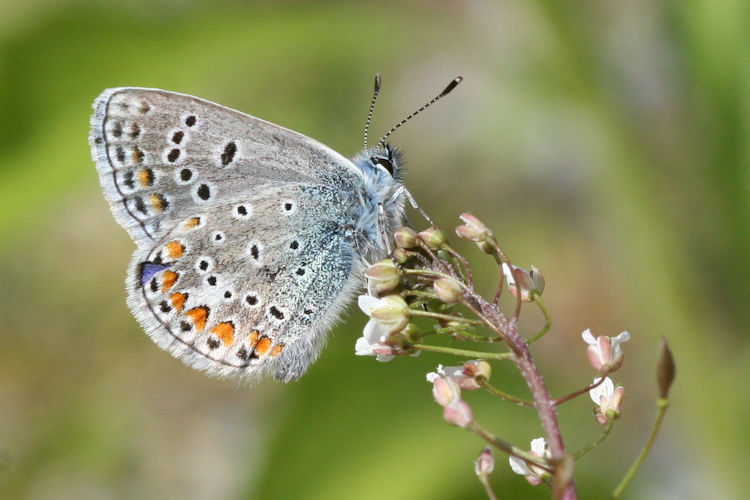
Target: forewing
251	286
160	154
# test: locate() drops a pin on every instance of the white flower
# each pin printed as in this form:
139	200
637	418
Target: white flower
605	353
532	473
382	353
387	315
529	281
607	398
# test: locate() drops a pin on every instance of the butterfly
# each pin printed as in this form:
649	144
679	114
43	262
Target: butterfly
251	238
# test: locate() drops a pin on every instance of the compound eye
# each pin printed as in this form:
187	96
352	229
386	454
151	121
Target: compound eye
384	162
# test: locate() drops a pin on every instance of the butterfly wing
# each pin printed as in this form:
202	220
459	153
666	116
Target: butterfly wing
241	293
161	153
245	230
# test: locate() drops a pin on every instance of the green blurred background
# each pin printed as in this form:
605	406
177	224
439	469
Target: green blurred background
605	142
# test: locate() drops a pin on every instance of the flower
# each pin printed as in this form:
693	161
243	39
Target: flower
528	282
485	462
364	347
605	353
533	473
387	316
382	276
608	398
474	229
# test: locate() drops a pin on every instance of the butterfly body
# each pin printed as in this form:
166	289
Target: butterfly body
250	237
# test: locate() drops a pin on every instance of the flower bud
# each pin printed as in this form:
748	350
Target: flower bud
405	237
383	276
459	414
433	237
448	290
392	308
473	229
400	255
665	370
485	462
605	353
445	390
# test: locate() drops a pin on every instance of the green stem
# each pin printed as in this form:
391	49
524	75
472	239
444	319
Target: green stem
462	352
661	407
578	454
446	317
487	488
422	294
503	395
547	319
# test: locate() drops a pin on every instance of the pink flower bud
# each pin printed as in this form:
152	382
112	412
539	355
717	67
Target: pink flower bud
445	390
605	353
473	229
485	462
459	414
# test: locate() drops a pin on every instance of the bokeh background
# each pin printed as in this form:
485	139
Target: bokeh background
605	142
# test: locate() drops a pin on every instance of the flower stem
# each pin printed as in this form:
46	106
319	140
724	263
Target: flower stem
577	393
462	352
661	407
487	488
446	317
578	454
547	319
503	395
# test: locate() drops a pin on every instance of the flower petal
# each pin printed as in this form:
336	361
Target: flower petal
519	466
367	303
588	337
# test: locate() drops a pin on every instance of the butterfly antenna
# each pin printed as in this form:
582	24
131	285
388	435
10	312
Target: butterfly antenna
445	92
378	83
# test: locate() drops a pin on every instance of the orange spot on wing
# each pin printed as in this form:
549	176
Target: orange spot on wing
174	249
168	280
252	339
156	202
178	300
191	222
198	316
225	332
145	177
264	343
276	350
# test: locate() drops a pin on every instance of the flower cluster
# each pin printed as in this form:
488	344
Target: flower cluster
425	277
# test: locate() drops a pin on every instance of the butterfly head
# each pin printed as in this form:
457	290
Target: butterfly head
387	159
